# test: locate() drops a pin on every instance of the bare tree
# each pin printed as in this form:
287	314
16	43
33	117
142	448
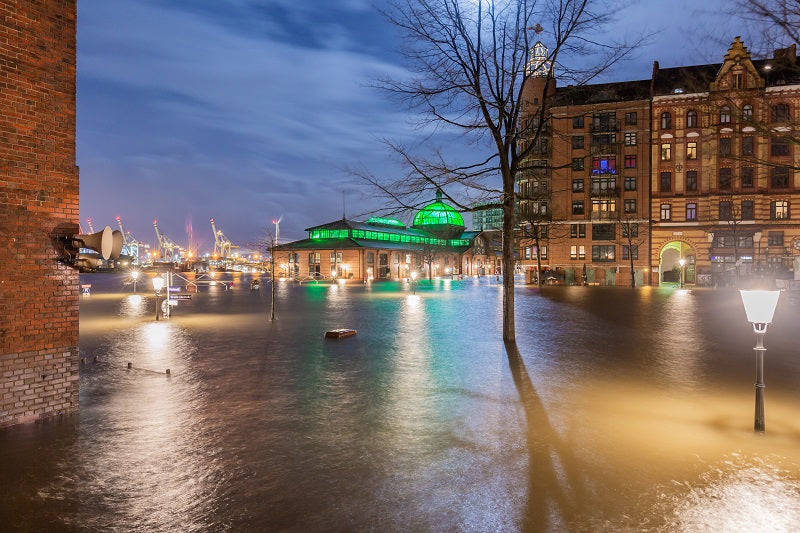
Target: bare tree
471	63
633	234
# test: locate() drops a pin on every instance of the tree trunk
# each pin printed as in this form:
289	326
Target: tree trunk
509	331
633	274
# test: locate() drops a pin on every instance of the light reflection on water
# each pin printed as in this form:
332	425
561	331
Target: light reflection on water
621	411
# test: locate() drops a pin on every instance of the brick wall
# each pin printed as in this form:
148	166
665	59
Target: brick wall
38	202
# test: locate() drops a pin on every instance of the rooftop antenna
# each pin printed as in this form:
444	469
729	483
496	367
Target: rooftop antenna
344	217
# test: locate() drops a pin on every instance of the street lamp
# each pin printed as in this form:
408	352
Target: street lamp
158	284
760	308
134	277
682	262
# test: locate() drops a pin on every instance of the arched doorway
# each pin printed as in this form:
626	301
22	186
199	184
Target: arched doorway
669	267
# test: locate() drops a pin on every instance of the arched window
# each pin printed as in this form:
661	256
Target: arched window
747	112
780	113
691	119
725	115
666	121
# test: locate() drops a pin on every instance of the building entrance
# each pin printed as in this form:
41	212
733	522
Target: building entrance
670	269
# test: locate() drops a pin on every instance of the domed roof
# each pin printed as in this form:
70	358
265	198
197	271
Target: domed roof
438	214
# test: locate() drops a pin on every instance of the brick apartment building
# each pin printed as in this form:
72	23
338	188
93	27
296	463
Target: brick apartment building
695	163
38	203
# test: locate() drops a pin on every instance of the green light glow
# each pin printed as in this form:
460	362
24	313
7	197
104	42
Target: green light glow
385	221
438	213
318	234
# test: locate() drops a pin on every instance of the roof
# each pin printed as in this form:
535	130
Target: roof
625	91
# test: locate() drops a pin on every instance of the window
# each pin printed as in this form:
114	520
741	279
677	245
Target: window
666	121
691	180
748	210
691	150
775	238
780	113
630	205
577	231
603	208
336	257
725	147
725	179
630	161
779	210
631	252
691	119
577	142
666	151
577	185
604	121
725	115
780	177
691	212
666	211
604	186
630	184
630	138
725	210
577	207
577	123
747	145
779	146
630	118
544	252
630	227
737	81
577	252
577	163
603	252
604	165
747	177
666	181
747	112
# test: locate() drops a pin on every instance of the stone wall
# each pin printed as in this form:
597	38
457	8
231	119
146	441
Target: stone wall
38	202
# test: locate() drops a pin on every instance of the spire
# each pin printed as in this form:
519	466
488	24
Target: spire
538	63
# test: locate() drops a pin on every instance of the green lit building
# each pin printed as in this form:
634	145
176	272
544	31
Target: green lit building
436	244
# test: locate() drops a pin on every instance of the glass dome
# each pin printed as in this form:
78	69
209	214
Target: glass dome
438	214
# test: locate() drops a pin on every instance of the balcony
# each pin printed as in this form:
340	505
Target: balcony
604	192
604	215
604	127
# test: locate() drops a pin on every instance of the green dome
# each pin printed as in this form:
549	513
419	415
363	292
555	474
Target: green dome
437	214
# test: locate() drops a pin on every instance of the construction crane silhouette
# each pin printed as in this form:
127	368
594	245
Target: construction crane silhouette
222	245
167	248
131	246
89	223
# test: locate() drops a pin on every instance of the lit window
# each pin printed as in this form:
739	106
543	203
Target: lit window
691	150
666	151
666	211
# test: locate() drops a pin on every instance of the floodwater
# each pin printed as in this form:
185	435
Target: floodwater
621	410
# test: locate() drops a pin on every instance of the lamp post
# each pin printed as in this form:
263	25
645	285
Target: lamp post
683	265
158	284
760	308
135	277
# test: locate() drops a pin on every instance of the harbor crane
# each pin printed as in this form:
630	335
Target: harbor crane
168	250
222	246
131	246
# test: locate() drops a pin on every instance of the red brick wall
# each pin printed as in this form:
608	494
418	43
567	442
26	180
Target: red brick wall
38	202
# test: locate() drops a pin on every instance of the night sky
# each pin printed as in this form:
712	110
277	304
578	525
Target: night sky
250	110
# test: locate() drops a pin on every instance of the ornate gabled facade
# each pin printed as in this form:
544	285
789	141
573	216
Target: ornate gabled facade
724	176
696	163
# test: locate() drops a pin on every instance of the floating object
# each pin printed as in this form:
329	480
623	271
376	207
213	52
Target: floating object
339	333
255	285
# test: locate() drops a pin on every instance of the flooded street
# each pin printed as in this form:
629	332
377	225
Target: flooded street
622	410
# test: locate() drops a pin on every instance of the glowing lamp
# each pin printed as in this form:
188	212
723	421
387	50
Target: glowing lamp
760	306
135	274
158	283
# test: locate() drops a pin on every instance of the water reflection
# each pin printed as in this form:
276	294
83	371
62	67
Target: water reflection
619	410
